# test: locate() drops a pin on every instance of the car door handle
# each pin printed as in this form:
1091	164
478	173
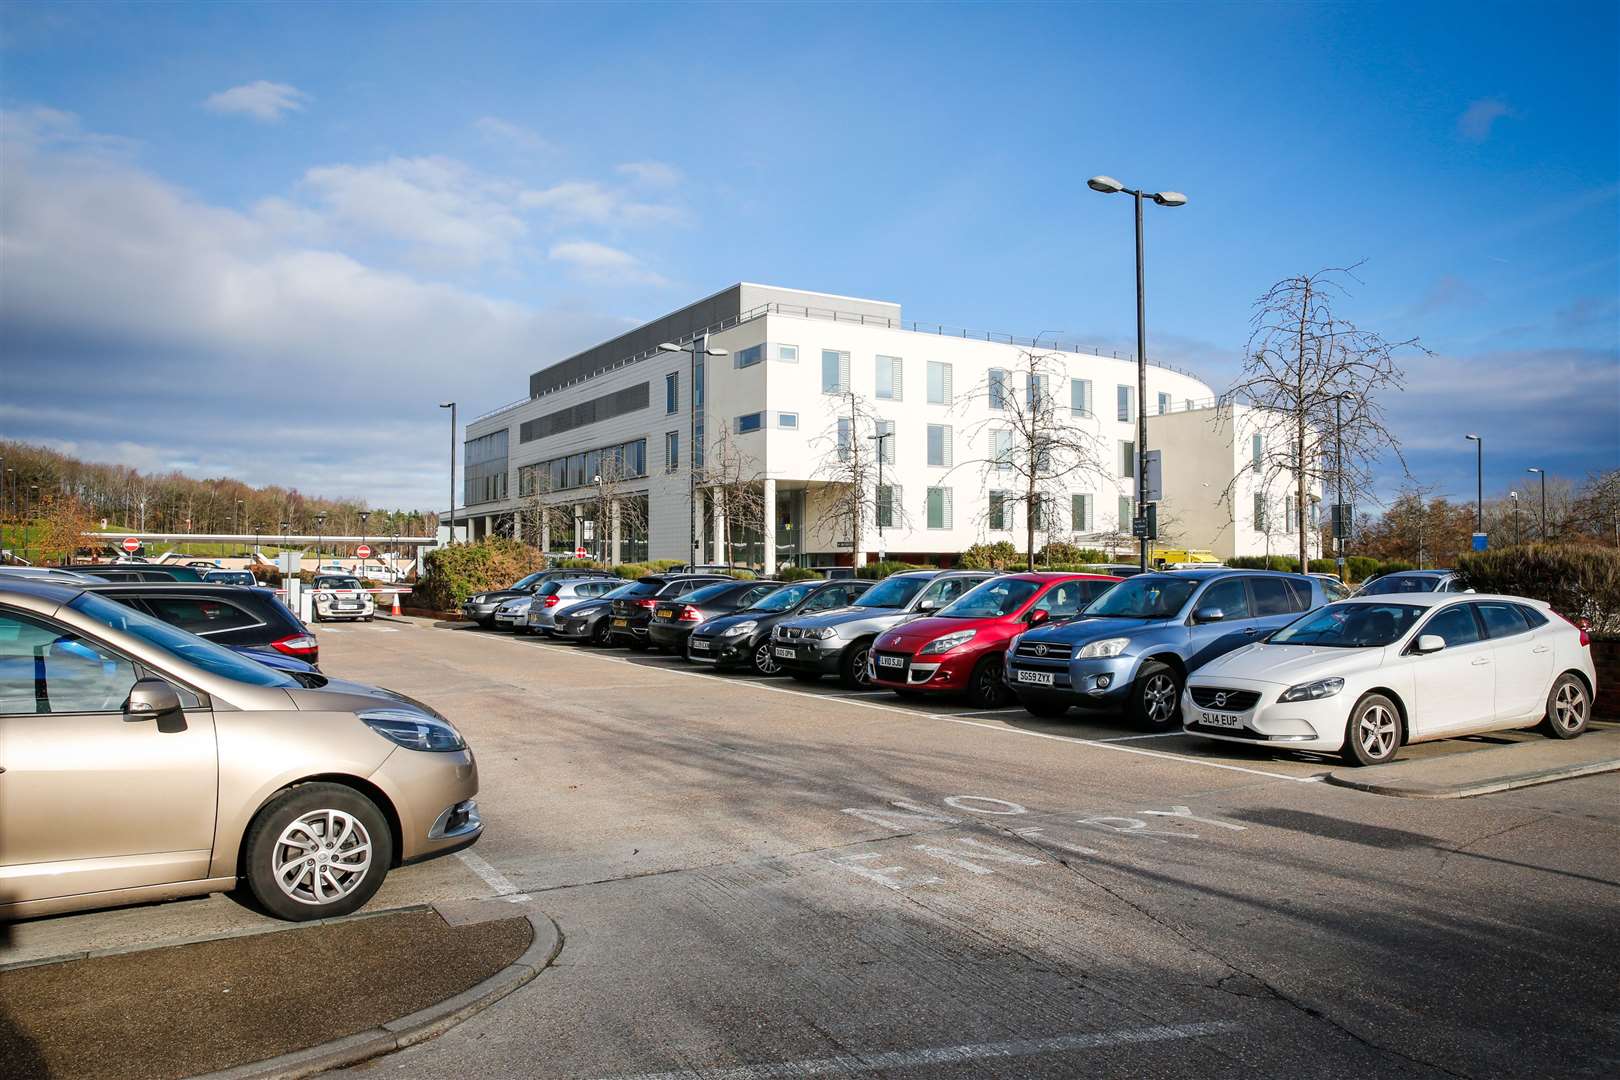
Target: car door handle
1251	629
1540	649
1481	661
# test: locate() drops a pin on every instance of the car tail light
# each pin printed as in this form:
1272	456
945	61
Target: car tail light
1583	625
648	604
690	614
303	646
551	601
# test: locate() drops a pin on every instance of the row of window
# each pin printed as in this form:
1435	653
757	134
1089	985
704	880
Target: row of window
1262	516
938	506
626	461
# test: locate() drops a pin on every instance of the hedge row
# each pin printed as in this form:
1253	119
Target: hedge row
451	574
1579	582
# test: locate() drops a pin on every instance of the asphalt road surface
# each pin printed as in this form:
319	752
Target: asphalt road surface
756	879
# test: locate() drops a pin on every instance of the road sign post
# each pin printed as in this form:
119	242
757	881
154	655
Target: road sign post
131	544
363	551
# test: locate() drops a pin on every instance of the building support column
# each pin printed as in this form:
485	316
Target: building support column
718	510
545	528
768	529
517	523
613	547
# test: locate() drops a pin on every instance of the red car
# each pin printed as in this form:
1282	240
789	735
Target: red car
960	650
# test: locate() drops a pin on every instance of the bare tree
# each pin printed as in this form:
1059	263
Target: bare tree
735	482
1302	363
848	466
1033	448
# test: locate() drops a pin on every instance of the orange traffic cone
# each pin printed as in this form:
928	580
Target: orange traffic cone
396	604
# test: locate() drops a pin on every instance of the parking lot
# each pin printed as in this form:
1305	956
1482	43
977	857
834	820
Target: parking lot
759	878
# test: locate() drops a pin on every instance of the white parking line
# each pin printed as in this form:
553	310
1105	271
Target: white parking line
492	877
989	712
944	1056
1155	735
1099	744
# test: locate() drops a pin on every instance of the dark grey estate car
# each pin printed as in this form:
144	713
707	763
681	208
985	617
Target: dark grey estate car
839	641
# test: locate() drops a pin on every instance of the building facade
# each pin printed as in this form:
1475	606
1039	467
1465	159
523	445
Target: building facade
601	454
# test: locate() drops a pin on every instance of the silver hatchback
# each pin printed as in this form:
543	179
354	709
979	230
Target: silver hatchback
557	594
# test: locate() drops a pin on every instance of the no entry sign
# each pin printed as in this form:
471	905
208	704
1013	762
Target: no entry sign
131	544
363	551
580	553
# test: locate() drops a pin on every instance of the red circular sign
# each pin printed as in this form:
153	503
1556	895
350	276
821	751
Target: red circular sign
363	551
580	553
131	544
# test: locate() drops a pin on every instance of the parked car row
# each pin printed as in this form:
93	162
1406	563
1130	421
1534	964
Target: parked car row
1262	657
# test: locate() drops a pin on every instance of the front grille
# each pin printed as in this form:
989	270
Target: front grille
789	633
1230	700
1044	650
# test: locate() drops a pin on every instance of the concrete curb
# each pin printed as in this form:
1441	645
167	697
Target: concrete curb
1479	787
409	1030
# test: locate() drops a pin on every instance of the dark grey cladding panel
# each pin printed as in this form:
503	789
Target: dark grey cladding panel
604	407
672	327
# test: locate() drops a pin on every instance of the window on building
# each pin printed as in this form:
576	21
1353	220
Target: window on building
834	372
1003	449
1259	511
672	451
1037	517
788	354
672	392
750	422
888	497
787	420
1188	404
1290	513
1127	513
750	356
1124	398
939	383
998	388
939	508
1164	404
886	428
1000	519
1127	460
939	446
890	378
697	443
846	437
1080	510
1257	449
1043	458
1080	397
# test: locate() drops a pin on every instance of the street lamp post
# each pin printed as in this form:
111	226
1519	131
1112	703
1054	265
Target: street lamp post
1517	539
697	350
1479	482
452	407
363	515
1543	474
1107	185
878	438
320	537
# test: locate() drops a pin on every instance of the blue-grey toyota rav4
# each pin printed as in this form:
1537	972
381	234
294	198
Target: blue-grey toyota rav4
1132	648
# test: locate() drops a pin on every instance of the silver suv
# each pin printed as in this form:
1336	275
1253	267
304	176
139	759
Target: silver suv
838	642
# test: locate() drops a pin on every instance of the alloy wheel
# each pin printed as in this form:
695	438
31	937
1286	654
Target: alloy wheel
1569	707
321	857
1159	698
765	661
1377	731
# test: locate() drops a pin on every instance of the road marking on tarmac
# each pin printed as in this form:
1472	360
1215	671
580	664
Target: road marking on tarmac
944	1056
1098	744
504	889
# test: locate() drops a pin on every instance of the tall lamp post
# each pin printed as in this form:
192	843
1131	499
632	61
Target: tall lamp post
1107	185
363	515
1479	482
697	350
320	537
1517	539
1543	474
883	551
452	407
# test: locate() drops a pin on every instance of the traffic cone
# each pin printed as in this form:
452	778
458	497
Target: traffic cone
396	604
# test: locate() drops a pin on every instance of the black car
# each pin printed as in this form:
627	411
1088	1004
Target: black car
743	639
480	607
586	622
672	623
250	620
632	611
138	572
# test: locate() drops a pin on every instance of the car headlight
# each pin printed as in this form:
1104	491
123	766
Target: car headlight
823	633
1107	647
1310	691
323	596
747	626
947	643
413	730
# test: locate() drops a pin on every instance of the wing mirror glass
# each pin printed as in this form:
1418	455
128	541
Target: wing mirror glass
1428	643
1038	616
1209	614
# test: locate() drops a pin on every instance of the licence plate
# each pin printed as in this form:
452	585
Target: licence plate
1221	720
665	613
891	661
1038	678
699	645
621	624
785	654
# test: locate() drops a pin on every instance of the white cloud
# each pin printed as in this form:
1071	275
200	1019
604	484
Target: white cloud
589	203
266	101
32	128
651	173
1476	121
497	130
600	263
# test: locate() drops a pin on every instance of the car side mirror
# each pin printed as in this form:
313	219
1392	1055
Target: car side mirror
1209	614
1038	616
151	699
1429	643
927	605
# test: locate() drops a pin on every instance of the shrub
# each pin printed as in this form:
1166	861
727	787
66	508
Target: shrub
997	556
454	573
1360	567
876	570
798	573
1059	552
1325	566
1579	582
1287	563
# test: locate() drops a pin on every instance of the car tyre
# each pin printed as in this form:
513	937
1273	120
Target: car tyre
853	668
1156	696
1569	708
345	831
986	690
1373	732
763	660
600	636
1044	707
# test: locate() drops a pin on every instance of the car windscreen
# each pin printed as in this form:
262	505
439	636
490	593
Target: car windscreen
994	598
524	583
337	583
785	598
642	588
194	650
229	577
1394	584
711	592
627	589
895	592
1147	597
1351	626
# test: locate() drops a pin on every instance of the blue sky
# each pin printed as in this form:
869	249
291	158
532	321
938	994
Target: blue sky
264	241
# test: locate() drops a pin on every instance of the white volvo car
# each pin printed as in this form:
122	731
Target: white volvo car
1365	675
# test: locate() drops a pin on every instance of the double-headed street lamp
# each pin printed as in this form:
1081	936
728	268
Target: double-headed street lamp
452	407
1107	185
1479	482
1543	474
697	350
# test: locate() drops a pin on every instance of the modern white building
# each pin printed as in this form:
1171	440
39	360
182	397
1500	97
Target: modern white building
776	404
